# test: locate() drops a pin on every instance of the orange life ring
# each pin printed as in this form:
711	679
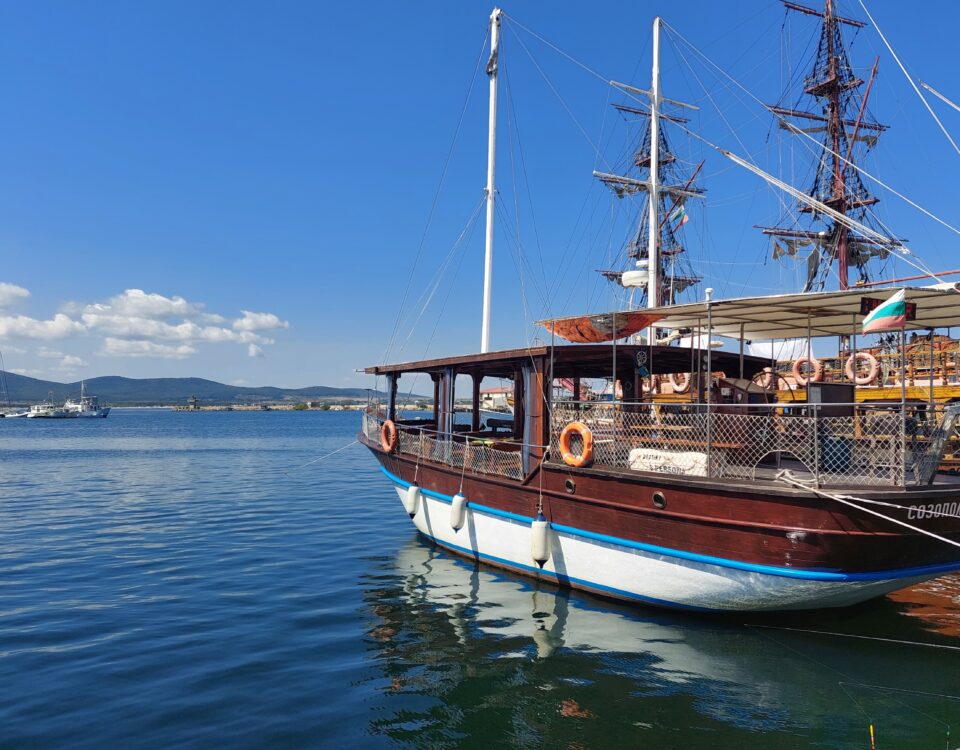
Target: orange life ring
388	436
586	455
851	373
681	387
815	377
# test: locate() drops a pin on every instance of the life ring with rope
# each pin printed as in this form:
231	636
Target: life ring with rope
765	378
850	369
681	386
388	436
586	453
816	374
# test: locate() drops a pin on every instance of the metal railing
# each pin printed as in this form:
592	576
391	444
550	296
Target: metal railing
893	445
469	454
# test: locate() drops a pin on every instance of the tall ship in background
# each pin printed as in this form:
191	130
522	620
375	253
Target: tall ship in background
832	105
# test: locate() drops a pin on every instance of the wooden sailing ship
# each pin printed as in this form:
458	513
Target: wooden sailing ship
730	498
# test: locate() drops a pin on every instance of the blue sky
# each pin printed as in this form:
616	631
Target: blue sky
238	190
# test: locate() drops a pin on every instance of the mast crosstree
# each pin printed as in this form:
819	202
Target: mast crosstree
848	132
660	270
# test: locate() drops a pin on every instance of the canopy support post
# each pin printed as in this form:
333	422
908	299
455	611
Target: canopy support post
853	355
709	295
930	376
741	349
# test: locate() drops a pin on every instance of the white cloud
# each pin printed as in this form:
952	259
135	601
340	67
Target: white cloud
69	362
11	349
141	348
136	323
238	381
20	326
10	294
140	304
27	373
258	321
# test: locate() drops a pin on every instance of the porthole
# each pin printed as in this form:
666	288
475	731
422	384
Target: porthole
570	486
659	501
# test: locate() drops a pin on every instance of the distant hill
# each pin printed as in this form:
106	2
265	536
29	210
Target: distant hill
117	391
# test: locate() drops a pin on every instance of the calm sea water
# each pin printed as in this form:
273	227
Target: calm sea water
174	580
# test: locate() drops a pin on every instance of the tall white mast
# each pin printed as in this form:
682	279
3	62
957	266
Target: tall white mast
491	169
653	251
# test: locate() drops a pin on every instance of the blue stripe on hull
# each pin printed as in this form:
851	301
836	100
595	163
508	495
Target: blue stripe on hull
929	571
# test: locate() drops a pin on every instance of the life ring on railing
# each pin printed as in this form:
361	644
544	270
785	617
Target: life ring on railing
388	436
680	387
586	454
765	378
815	377
850	371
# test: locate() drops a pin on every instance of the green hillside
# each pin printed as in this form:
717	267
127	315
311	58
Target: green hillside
115	390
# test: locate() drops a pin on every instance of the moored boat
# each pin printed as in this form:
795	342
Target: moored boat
48	410
732	502
727	499
86	406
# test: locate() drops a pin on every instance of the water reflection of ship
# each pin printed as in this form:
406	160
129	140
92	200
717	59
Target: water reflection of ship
471	637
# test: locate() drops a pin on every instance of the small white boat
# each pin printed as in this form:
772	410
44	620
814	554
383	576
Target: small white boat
87	406
49	410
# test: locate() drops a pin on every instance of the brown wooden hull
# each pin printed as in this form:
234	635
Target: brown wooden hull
733	521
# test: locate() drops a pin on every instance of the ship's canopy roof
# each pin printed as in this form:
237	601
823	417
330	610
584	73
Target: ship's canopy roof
590	361
781	316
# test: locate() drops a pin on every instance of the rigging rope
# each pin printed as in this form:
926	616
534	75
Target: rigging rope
823	146
436	198
909	78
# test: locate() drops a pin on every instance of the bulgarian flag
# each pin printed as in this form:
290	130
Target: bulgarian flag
679	217
888	316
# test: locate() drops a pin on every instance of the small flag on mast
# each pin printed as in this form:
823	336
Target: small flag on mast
679	217
888	316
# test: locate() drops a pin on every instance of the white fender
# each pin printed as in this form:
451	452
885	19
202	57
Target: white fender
458	511
539	540
411	501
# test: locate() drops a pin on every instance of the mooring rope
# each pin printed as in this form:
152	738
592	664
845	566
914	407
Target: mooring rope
321	458
861	637
788	478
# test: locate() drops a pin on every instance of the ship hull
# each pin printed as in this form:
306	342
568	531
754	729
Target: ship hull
94	413
697	562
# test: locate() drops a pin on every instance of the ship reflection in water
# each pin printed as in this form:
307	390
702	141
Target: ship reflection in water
471	654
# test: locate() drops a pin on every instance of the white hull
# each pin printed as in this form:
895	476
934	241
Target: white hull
634	574
93	413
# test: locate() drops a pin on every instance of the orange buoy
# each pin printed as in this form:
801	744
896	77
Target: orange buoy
586	455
